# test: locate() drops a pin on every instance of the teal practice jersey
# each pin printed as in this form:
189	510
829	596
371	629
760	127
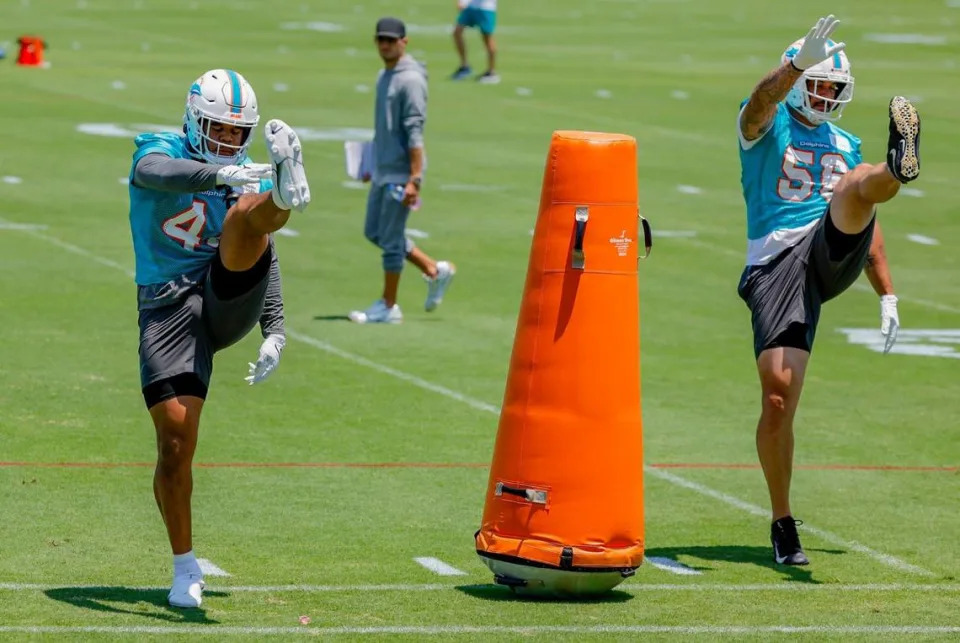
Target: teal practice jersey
788	176
175	235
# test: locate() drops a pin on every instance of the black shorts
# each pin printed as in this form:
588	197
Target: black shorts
785	295
177	342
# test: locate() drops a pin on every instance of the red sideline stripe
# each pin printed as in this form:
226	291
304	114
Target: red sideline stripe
461	465
252	465
816	467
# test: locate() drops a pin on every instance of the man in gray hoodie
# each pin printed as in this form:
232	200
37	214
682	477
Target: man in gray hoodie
399	160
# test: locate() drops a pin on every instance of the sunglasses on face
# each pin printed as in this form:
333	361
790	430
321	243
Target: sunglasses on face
387	39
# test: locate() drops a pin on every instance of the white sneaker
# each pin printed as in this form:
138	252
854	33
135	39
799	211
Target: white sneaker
187	591
489	78
290	189
378	313
439	284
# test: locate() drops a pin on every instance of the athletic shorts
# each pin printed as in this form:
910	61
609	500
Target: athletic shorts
485	21
181	338
787	293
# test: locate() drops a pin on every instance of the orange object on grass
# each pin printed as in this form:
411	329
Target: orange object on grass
31	51
564	503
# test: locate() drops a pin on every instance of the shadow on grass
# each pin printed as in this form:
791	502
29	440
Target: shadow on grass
127	600
493	592
759	556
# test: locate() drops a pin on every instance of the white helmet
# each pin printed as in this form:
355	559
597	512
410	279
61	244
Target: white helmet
219	96
835	69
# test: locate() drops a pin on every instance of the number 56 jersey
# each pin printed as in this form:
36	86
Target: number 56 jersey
788	176
175	234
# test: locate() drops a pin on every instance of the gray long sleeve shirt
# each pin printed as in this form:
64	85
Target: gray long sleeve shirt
166	174
399	118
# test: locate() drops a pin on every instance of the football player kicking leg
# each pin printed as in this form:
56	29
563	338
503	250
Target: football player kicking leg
811	231
199	294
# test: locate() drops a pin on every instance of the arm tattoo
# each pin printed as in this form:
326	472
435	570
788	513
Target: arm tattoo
760	109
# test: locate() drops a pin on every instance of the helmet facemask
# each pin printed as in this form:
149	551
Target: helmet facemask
213	150
224	97
804	93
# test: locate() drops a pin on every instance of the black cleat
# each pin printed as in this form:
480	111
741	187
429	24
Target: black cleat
903	147
786	542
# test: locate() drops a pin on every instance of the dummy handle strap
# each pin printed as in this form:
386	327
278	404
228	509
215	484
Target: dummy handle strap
581	215
536	496
647	236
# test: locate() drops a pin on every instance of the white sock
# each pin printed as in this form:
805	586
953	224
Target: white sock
185	564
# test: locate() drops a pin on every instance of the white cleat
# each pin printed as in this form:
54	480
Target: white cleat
290	189
378	313
187	591
439	284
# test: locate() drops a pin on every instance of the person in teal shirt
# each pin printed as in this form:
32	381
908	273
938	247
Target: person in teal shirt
811	230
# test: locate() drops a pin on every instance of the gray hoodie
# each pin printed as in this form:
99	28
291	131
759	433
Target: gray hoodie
401	112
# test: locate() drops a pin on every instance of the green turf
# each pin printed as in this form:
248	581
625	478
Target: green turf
69	390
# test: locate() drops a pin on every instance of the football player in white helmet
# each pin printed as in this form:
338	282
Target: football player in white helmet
220	102
811	230
202	215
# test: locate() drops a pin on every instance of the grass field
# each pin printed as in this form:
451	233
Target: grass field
368	448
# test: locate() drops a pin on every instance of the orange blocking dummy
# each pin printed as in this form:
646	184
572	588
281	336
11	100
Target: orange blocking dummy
31	51
564	504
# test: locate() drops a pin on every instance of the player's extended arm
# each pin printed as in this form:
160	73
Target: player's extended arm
166	174
876	267
760	109
878	272
271	326
271	321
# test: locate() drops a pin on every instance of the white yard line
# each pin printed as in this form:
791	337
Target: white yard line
69	247
633	587
21	226
490	408
923	239
439	567
224	630
386	370
210	569
913	300
756	510
672	566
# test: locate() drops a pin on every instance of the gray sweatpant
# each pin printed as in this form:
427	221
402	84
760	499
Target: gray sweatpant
385	223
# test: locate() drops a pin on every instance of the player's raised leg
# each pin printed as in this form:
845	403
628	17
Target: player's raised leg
254	216
290	191
861	189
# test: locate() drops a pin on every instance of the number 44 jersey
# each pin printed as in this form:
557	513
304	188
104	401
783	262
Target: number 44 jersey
788	176
175	234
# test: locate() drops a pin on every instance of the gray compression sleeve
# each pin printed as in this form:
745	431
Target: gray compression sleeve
166	174
271	321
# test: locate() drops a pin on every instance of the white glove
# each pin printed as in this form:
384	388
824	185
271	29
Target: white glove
270	352
889	321
816	47
239	175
